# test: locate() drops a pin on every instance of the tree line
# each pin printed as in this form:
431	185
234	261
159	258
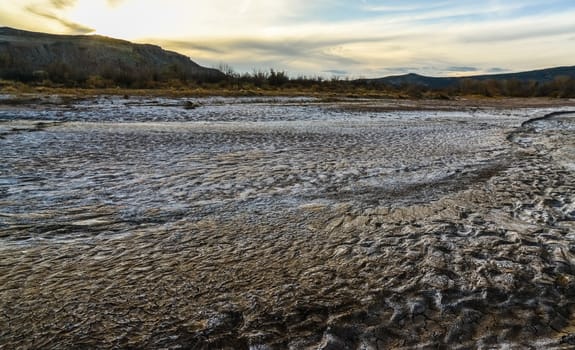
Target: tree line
62	75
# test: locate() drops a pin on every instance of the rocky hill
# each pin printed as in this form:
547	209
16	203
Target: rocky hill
29	56
541	76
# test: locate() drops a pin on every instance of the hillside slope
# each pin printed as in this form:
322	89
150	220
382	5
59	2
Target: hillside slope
539	76
28	55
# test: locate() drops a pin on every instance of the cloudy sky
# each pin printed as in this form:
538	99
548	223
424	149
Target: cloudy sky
354	38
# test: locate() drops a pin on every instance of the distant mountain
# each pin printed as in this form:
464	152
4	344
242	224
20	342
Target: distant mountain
540	76
30	55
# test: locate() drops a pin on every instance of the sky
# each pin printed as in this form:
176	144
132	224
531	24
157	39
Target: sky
354	39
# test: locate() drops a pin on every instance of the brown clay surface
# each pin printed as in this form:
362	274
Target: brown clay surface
286	223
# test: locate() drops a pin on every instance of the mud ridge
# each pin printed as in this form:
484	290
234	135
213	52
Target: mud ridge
546	116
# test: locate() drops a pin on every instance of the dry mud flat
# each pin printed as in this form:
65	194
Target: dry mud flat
286	223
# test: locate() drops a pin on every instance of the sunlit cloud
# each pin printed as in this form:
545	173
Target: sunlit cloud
524	29
114	3
42	15
364	38
60	4
394	8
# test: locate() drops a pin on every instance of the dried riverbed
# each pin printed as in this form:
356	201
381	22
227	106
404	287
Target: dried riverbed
285	223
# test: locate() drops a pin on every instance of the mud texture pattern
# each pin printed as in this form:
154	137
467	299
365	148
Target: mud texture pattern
285	223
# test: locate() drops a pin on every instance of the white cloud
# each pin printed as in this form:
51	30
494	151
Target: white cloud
404	7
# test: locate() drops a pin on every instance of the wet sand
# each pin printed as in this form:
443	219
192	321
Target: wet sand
286	223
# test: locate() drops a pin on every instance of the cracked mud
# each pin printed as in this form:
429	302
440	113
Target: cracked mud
285	223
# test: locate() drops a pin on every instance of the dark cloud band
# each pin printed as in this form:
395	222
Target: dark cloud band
73	28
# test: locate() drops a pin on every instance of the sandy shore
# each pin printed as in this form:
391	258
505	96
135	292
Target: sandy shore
287	224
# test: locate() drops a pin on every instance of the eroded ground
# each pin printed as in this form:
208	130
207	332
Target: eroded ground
286	223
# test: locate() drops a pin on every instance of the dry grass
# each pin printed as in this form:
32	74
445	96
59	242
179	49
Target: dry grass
23	93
